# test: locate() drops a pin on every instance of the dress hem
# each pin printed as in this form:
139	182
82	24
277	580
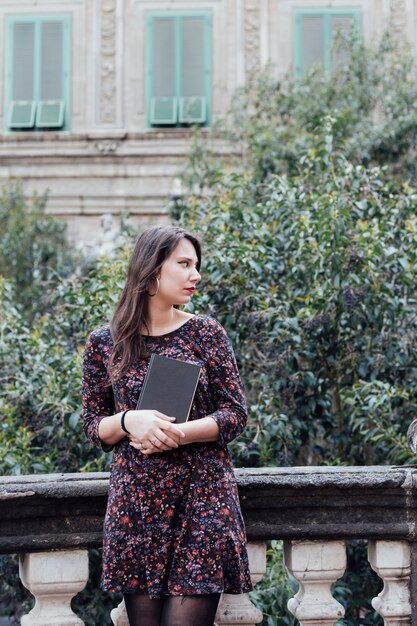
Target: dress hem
168	595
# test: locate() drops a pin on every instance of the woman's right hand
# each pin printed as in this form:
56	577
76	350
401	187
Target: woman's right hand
151	431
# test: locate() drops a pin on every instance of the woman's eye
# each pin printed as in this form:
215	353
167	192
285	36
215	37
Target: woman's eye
184	263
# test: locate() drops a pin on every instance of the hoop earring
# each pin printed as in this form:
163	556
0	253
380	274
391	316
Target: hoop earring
151	295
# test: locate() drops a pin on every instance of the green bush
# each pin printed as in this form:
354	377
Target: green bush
51	300
276	589
310	246
314	277
34	253
272	123
310	263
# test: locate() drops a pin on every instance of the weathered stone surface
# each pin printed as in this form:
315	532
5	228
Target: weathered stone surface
66	510
329	502
412	435
54	578
316	565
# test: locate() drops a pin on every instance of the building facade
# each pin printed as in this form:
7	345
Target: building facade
97	97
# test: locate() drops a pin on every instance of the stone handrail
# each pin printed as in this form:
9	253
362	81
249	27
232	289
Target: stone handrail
315	509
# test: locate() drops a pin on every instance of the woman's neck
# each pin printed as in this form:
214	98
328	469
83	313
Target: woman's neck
162	320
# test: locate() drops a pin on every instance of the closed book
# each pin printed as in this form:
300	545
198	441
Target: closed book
169	387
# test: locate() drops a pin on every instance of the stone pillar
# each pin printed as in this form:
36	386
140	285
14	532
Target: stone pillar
119	615
252	18
54	578
238	609
316	565
391	560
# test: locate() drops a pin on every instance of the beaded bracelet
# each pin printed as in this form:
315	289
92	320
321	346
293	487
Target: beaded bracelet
122	421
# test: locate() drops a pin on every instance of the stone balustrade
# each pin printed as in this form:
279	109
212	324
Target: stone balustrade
51	521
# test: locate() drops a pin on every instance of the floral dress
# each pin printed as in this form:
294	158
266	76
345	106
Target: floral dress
173	524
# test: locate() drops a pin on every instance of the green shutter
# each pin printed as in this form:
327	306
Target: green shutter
163	111
178	68
312	40
22	114
193	110
38	71
50	114
342	24
315	32
192	57
163	55
23	55
52	61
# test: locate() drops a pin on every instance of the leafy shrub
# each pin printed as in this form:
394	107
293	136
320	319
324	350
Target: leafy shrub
34	252
310	262
272	123
49	304
314	276
273	593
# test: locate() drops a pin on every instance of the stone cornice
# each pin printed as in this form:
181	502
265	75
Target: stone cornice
45	512
110	146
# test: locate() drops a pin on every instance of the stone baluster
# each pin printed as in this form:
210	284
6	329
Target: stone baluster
233	609
54	578
391	560
119	616
238	609
316	565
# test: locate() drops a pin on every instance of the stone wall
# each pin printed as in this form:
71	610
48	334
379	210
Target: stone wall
109	160
52	519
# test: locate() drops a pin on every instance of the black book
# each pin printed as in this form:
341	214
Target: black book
169	387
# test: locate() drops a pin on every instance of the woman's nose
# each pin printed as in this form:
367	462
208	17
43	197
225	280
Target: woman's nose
196	276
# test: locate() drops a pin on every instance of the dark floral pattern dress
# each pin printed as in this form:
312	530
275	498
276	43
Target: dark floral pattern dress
173	524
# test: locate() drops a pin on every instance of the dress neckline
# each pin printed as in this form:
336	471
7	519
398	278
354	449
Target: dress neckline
171	332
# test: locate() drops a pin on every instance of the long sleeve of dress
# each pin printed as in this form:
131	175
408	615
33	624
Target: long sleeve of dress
97	395
227	391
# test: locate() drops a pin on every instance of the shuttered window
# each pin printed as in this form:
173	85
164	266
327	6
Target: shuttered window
37	76
315	33
178	69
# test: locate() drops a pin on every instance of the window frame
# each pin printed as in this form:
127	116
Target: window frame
327	14
178	16
38	19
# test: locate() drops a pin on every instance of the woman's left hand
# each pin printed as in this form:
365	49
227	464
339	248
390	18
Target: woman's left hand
150	446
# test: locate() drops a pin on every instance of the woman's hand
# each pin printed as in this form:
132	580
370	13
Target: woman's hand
152	431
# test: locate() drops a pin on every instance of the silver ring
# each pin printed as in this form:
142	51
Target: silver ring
141	445
153	441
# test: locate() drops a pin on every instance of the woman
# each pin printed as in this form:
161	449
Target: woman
174	538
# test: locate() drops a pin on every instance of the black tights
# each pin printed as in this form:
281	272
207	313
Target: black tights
172	610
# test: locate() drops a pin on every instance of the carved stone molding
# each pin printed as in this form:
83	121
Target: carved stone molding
107	146
252	35
398	19
108	87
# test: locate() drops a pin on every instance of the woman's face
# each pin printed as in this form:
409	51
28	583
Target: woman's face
179	275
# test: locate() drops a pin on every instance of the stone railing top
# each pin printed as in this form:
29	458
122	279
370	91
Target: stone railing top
41	512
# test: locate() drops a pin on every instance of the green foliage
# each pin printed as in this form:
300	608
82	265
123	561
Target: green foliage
34	252
41	373
277	587
314	277
40	365
310	262
353	591
273	123
358	585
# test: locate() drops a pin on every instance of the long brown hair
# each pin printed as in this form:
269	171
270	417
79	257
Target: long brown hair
130	317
